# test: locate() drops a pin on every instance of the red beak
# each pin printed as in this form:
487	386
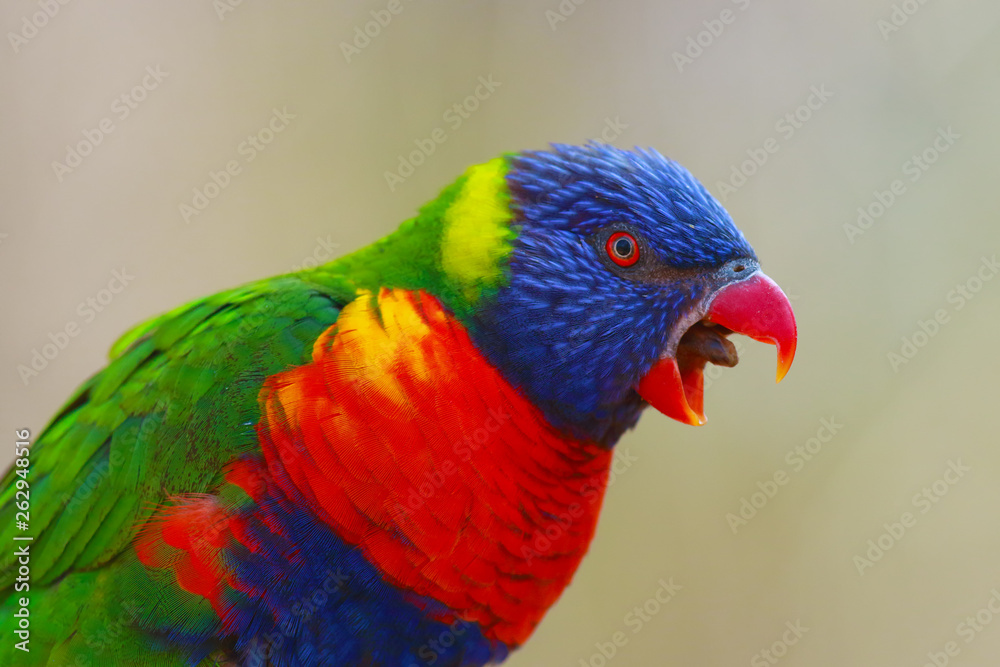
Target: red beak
755	307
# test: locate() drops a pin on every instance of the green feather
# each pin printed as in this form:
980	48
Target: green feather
178	401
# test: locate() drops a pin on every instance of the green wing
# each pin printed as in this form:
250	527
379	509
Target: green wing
177	402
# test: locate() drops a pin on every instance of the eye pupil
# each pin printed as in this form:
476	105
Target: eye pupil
623	249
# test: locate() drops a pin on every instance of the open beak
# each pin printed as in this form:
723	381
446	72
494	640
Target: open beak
755	307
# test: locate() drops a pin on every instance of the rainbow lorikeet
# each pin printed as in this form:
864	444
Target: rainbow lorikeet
352	464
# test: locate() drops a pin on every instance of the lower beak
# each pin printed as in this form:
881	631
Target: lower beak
755	307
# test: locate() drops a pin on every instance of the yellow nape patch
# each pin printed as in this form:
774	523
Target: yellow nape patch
477	232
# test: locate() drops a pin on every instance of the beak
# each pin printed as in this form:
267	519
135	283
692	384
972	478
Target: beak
755	307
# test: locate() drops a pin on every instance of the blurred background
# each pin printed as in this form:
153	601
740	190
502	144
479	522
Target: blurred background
848	516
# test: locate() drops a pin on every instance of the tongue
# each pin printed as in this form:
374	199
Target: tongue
702	343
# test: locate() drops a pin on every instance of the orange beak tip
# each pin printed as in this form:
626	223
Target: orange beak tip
785	358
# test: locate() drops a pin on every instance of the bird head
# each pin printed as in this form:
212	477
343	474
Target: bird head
598	281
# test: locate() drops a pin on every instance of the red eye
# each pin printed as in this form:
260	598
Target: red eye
622	249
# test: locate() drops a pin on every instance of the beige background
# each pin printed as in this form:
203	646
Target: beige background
322	178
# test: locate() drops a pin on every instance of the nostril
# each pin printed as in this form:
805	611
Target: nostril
739	267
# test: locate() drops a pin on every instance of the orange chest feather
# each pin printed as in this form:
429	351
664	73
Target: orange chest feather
407	442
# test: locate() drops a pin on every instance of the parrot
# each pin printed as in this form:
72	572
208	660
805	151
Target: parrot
395	458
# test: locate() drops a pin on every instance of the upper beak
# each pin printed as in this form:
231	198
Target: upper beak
755	307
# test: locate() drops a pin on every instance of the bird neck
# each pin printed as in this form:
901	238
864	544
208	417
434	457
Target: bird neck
456	248
402	437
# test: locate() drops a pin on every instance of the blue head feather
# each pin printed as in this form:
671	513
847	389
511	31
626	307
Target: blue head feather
575	334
